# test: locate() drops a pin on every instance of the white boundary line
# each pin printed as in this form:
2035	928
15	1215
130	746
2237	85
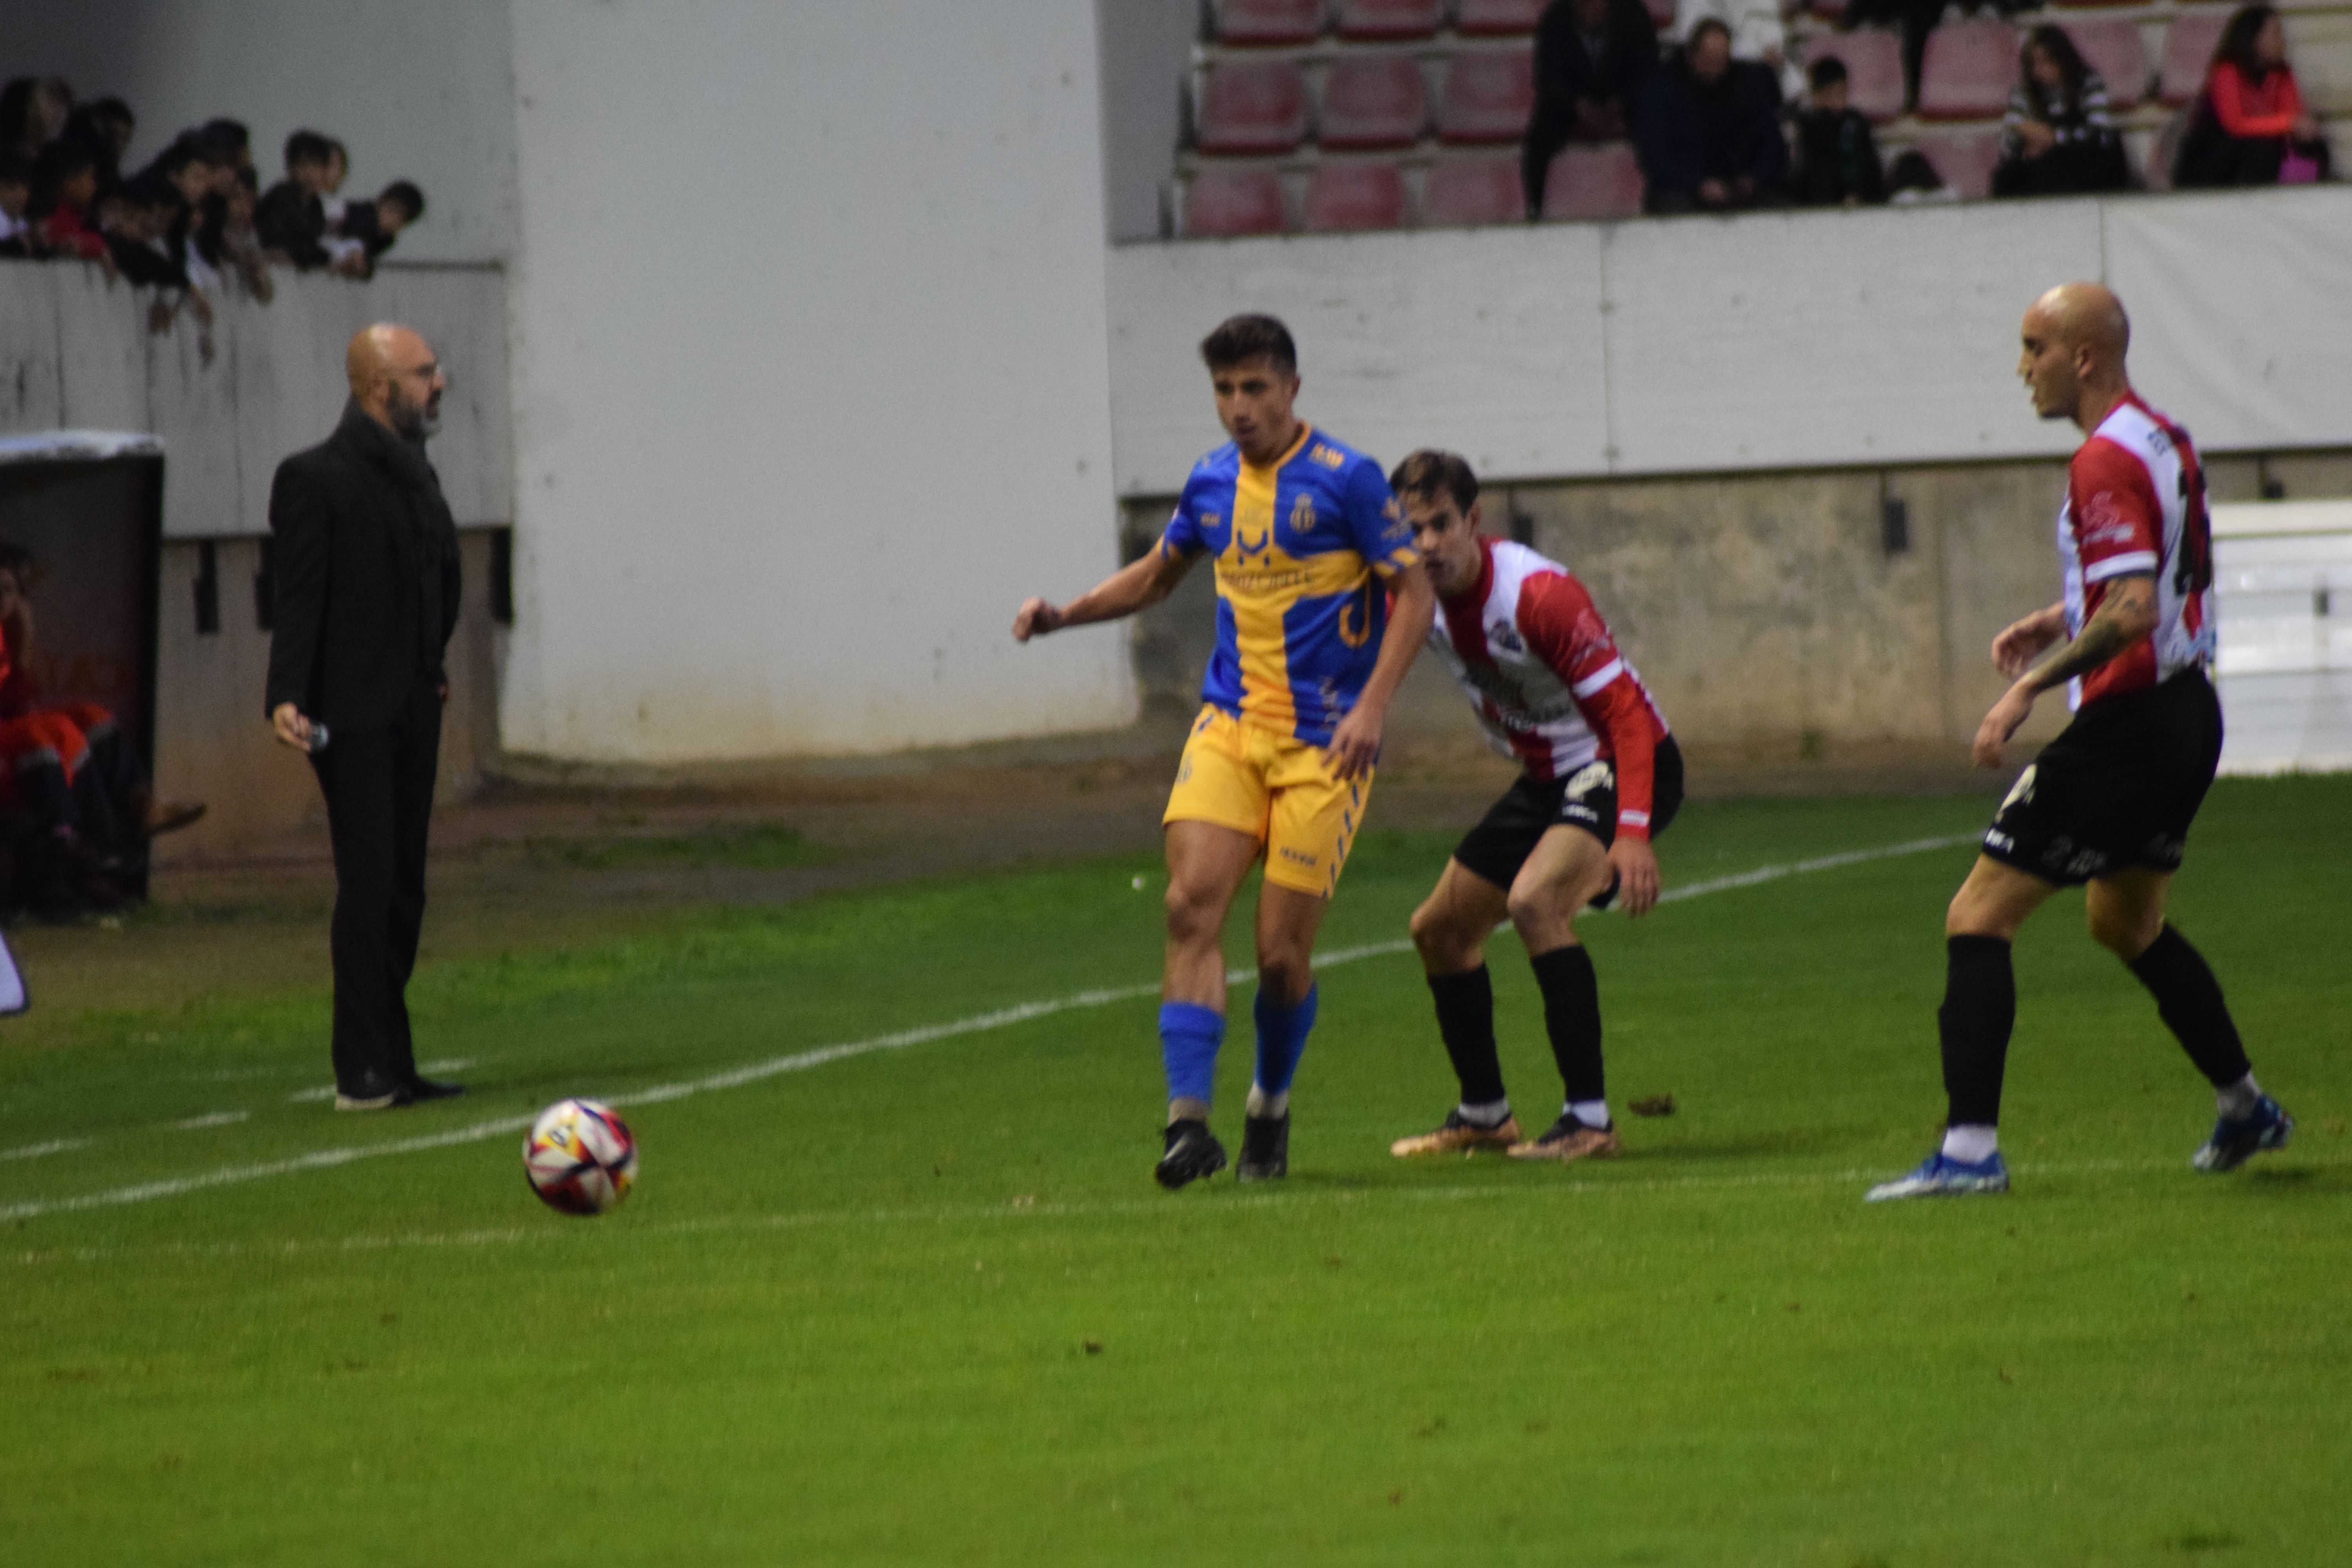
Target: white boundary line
802	1061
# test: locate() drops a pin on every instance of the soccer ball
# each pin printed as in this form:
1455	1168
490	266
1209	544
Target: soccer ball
579	1157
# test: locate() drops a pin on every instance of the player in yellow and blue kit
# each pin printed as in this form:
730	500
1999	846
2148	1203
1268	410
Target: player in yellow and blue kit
1308	544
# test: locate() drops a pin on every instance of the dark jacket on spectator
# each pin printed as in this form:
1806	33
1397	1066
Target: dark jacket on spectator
2239	130
1610	70
360	222
365	557
1837	159
142	263
292	219
1728	130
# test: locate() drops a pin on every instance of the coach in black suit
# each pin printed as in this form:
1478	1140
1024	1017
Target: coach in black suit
366	565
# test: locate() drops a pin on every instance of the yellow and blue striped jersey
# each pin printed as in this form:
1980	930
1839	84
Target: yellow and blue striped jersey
1297	545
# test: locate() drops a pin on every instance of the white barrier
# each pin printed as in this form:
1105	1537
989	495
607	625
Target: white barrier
2283	583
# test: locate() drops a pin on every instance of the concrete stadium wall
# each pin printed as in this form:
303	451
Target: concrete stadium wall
1771	341
1147	49
420	90
783	474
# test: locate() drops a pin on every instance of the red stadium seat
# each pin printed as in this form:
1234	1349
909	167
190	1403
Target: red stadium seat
1588	182
1965	162
1253	106
2188	45
1372	20
1488	95
1662	12
1474	190
1874	66
1263	22
1968	71
1497	18
2113	48
1345	197
1220	204
1374	100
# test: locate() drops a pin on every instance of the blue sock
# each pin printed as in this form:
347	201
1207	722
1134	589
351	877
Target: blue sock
1281	1039
1190	1035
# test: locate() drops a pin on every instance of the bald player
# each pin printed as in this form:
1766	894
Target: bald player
2108	802
365	560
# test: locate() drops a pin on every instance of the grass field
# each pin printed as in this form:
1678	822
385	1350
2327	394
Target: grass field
922	1304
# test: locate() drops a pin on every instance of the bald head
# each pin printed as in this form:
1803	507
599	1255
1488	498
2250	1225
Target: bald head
2076	339
396	379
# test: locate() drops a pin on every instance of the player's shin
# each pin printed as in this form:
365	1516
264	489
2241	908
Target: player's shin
1571	994
1978	1012
1190	1035
1281	1039
1465	1022
2188	1000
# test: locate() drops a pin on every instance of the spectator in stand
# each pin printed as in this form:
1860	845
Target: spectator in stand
1912	181
2249	127
137	223
2056	138
16	194
291	218
1708	131
1758	33
1591	57
375	225
188	167
1837	156
236	247
105	128
65	189
33	111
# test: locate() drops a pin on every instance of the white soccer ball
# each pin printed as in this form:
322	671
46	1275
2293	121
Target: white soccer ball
579	1157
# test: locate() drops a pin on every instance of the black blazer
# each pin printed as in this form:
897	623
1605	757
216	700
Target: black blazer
365	559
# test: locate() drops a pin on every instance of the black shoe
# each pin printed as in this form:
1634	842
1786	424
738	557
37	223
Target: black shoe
422	1088
1193	1153
373	1092
1265	1149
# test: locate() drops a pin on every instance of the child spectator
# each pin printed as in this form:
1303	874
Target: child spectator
136	221
1591	57
33	111
15	194
2249	127
1914	182
105	127
375	225
2056	138
236	247
65	188
291	219
1837	156
1709	131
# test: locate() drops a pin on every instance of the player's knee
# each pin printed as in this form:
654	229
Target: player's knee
2124	932
1434	936
1193	913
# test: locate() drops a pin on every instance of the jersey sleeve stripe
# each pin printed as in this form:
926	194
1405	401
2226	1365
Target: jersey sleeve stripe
1634	818
1615	668
2122	565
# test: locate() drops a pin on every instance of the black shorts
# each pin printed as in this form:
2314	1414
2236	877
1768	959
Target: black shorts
2117	788
1506	835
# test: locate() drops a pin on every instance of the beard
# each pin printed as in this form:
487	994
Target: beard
414	420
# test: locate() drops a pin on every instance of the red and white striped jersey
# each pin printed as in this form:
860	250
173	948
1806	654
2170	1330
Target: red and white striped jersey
2136	503
1537	661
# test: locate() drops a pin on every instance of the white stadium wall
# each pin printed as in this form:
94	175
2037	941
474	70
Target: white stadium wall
811	377
1775	341
417	90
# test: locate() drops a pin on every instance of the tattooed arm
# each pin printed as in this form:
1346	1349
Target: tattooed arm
2124	618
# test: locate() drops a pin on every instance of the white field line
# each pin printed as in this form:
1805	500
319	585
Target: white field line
35	1151
802	1061
216	1119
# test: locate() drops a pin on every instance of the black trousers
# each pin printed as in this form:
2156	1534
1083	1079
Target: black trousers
379	788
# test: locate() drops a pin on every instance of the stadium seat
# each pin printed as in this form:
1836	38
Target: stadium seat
1662	12
1474	190
1969	71
1829	10
1497	18
1873	64
1253	106
1261	21
1374	100
1349	195
1362	21
1488	95
2113	48
1588	182
2188	45
1221	204
1965	162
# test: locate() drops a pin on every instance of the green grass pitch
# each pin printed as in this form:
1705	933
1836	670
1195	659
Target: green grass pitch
924	1305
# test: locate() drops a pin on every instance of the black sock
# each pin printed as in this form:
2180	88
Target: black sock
1466	1018
1979	1011
1571	994
2188	1000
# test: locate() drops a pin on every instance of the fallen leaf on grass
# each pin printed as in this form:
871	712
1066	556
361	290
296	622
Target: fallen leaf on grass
1652	1105
1092	1347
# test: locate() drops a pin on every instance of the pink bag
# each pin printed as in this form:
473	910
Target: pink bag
2296	169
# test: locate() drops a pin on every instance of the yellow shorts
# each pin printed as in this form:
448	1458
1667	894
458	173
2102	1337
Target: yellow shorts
1278	790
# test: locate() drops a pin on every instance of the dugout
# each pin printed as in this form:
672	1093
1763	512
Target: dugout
88	505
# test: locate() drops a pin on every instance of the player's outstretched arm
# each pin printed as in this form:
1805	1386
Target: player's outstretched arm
2128	614
1137	585
1356	743
2022	642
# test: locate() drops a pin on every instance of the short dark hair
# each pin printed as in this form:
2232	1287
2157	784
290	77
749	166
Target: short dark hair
230	134
188	147
405	192
307	147
1430	472
152	190
1241	339
1711	24
1827	71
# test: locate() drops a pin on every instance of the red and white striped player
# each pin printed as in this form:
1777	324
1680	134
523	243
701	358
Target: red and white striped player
1600	777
